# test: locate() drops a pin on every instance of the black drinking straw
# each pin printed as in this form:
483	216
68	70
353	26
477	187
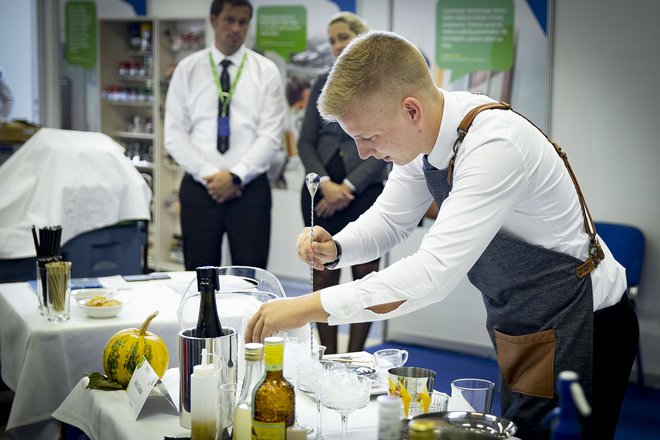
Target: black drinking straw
43	243
51	241
58	238
36	241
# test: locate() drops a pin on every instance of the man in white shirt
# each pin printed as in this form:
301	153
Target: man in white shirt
511	218
224	115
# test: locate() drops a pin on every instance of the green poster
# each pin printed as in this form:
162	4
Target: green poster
474	35
80	29
282	29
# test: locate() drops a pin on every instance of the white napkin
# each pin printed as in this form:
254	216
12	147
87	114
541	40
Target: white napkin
458	402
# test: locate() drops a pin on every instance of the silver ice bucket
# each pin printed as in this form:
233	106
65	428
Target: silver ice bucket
225	349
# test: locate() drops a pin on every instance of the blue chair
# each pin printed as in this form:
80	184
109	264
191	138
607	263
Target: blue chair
627	245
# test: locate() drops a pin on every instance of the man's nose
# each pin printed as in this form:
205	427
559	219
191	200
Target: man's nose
364	152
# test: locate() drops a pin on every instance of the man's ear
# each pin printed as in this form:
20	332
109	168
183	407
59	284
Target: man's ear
412	108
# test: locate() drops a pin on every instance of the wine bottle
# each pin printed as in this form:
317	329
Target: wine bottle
274	400
254	370
208	322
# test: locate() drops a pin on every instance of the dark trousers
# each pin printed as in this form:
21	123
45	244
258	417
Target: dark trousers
246	220
616	335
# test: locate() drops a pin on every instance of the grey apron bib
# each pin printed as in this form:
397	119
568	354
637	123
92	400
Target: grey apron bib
539	311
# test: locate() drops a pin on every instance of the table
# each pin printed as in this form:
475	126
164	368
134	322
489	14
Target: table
106	415
43	361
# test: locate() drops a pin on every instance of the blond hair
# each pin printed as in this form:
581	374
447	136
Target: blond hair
375	68
354	22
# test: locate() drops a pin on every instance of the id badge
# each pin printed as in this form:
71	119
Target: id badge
223	126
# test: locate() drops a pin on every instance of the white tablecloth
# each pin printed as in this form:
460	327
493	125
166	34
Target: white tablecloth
106	415
43	361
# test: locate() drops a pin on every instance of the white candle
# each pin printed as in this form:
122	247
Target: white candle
242	422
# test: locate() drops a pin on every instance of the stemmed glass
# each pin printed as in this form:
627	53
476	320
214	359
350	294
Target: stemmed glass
345	392
310	374
295	352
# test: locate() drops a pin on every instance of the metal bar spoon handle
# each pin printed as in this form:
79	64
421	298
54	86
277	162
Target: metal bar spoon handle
312	181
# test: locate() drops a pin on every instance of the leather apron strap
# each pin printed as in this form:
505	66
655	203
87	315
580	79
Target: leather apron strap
596	254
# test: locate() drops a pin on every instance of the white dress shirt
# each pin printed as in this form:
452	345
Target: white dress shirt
256	116
507	176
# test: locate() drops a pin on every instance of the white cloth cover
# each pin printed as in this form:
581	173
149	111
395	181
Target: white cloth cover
79	180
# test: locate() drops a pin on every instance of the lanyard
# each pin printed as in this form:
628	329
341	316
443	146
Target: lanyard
225	97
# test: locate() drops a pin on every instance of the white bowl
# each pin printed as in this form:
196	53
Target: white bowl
101	311
86	294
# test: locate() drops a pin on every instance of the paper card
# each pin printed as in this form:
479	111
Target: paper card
160	386
144	379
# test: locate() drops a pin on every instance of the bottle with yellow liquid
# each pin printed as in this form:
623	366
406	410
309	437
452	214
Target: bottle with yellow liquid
274	400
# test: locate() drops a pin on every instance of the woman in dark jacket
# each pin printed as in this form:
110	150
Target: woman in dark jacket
349	185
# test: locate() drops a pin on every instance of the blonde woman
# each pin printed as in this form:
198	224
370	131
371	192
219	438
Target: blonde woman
349	185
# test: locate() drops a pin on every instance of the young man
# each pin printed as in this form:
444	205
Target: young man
223	123
511	218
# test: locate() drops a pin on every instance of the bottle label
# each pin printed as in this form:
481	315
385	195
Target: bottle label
268	431
273	357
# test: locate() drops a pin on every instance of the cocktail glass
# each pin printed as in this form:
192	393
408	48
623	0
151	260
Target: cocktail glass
310	374
345	392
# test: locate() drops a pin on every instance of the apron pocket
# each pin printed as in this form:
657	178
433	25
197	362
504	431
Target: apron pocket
527	362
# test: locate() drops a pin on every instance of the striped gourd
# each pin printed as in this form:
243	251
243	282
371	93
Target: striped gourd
126	347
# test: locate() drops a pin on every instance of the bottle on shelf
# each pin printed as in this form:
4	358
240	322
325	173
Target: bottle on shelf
564	420
204	409
254	370
208	322
274	403
390	413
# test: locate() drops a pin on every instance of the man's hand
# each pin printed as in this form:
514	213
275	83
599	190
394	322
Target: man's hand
221	188
284	314
321	251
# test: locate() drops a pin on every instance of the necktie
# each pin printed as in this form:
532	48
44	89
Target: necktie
223	121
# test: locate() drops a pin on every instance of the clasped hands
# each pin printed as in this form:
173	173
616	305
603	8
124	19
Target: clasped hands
221	188
287	313
336	197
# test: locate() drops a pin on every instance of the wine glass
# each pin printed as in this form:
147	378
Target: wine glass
295	352
344	392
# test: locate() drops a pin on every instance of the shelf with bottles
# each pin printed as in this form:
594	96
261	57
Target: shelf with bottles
130	135
128	96
131	70
174	39
178	39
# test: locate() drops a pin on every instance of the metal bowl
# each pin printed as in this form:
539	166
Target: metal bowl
465	425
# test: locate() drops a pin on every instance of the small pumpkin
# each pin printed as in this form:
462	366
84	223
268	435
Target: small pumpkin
126	347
